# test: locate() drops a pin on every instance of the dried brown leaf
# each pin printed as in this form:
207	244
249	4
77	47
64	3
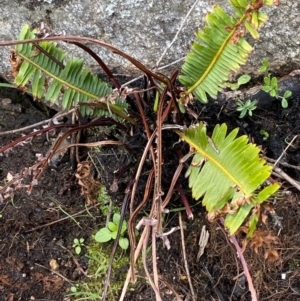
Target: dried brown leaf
271	255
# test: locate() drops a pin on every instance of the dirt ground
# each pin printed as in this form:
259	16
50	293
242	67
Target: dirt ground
36	231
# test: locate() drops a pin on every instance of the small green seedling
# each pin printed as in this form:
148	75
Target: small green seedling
110	232
246	107
265	66
271	86
265	134
78	244
242	80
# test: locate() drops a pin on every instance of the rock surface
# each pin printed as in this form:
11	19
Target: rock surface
144	29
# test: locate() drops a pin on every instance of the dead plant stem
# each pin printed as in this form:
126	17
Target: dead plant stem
186	266
56	273
245	267
134	187
136	255
36	124
61	219
284	151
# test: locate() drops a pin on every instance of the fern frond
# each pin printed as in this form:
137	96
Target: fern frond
219	49
50	78
227	172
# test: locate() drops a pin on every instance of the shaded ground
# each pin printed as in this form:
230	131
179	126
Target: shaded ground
33	231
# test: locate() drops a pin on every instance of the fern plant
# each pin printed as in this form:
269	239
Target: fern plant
233	163
50	78
221	48
227	172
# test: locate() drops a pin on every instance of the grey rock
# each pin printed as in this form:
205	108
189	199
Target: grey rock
144	28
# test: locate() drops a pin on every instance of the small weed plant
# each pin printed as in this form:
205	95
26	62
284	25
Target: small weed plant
264	134
106	206
92	289
78	243
246	107
105	234
242	80
271	85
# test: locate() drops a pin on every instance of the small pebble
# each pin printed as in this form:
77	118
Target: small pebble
54	266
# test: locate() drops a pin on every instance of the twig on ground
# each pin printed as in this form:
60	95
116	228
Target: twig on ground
166	283
283	163
61	219
280	173
79	267
284	151
194	297
150	222
36	124
56	273
177	33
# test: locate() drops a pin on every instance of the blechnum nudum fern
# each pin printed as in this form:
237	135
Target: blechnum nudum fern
50	77
220	47
226	170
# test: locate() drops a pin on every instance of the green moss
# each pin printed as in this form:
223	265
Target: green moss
92	288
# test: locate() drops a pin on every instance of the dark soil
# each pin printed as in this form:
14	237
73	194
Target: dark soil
35	229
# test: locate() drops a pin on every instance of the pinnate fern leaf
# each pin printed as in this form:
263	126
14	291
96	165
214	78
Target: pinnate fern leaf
227	172
220	48
213	56
50	78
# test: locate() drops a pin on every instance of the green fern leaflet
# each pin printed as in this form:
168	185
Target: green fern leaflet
73	81
227	172
220	49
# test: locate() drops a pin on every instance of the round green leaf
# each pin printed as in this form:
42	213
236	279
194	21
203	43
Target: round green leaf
274	82
284	103
78	250
124	227
244	79
116	218
287	94
273	93
267	80
234	87
73	289
103	235
114	234
112	226
124	243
